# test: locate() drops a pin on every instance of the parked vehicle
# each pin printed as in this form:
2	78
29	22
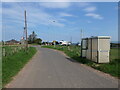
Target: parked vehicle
66	43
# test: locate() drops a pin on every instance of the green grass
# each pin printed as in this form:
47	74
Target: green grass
12	64
34	44
10	50
0	68
114	53
74	52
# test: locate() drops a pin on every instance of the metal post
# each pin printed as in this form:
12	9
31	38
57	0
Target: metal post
54	44
26	30
81	35
81	42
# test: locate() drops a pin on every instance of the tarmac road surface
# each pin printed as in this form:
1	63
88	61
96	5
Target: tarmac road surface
52	69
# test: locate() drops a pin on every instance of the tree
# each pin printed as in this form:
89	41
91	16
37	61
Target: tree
32	37
38	41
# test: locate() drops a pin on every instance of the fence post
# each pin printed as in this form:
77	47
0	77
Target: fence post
4	53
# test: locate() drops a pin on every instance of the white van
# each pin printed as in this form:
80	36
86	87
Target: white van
66	43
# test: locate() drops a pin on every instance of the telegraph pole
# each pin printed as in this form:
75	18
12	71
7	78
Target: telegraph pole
26	30
81	42
81	35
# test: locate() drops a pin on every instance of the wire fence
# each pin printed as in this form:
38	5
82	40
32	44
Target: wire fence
9	50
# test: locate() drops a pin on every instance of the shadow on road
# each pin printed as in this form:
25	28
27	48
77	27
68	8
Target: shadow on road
72	60
78	59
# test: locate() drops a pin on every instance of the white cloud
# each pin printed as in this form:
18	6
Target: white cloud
90	9
13	19
55	4
83	4
39	0
44	19
60	0
96	16
62	20
65	14
35	16
89	22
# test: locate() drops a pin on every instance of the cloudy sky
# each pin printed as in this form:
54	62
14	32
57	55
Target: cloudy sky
60	20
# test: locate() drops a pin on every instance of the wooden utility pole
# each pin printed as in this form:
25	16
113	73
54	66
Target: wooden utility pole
81	42
81	35
26	30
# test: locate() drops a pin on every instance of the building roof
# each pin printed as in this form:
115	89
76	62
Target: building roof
12	41
97	37
101	37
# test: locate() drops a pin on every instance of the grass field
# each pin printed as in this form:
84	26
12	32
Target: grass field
12	64
74	52
0	68
114	53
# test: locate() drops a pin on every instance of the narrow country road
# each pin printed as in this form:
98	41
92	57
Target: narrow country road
52	69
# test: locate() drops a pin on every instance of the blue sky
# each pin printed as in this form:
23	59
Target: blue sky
95	19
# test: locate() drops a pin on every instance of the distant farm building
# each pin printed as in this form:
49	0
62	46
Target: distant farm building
22	41
12	42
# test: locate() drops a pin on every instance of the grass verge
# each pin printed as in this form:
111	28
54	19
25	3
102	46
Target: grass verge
11	65
74	52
